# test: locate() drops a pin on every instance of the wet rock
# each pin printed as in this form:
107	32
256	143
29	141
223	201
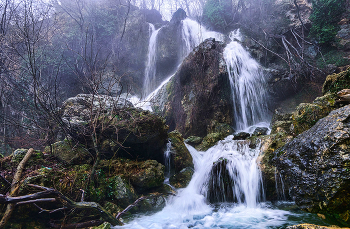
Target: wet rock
241	136
315	166
182	178
70	153
193	140
182	161
123	131
201	79
220	184
260	131
181	157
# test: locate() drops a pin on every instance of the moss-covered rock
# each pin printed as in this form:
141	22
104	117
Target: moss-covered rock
142	175
337	82
122	130
70	153
193	140
307	114
182	178
180	154
150	176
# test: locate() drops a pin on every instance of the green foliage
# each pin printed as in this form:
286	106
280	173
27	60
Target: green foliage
217	14
333	57
325	16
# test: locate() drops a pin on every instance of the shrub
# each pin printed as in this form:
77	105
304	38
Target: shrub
325	17
217	14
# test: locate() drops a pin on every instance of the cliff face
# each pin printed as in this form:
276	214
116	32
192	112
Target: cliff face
199	95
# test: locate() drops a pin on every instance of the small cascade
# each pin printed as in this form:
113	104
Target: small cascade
167	162
194	33
279	186
247	85
150	72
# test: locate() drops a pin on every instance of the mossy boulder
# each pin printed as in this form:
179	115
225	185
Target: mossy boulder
150	176
144	176
114	189
121	129
307	114
180	155
223	130
316	166
337	82
70	153
19	154
182	178
193	140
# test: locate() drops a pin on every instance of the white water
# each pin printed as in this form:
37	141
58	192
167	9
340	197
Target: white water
150	71
190	207
194	33
247	84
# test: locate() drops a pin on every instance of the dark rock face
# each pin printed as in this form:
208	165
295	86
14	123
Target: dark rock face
199	95
220	184
315	166
141	134
168	52
261	131
241	136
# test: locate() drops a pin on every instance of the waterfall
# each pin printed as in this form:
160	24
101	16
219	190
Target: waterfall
247	85
194	33
150	72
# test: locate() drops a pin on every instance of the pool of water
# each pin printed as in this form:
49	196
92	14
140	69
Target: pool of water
232	216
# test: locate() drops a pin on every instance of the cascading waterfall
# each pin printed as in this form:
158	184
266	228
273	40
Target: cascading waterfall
150	72
194	33
226	188
247	85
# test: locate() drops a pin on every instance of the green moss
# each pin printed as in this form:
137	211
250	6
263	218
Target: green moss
337	82
307	114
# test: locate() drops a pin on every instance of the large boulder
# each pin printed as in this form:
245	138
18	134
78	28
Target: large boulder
121	129
199	95
181	160
315	166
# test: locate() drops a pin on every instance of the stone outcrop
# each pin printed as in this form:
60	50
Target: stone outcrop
199	95
315	166
122	130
